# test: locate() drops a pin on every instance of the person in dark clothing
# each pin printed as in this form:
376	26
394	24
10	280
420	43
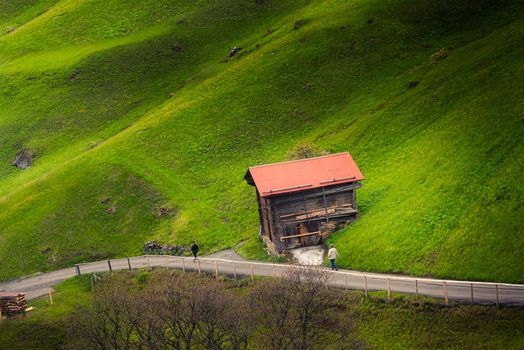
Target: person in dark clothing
194	250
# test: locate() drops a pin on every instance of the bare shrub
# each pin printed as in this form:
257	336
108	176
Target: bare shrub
298	311
306	150
272	304
105	324
221	318
171	311
178	309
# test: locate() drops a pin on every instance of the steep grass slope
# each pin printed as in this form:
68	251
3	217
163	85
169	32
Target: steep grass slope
135	108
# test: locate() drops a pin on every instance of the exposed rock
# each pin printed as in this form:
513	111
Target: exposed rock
105	201
93	144
46	250
151	245
165	211
269	31
24	158
412	84
10	30
178	48
111	209
234	51
74	75
155	247
308	86
438	56
326	228
299	24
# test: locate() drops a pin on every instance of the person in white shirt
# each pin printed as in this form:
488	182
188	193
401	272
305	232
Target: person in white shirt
332	256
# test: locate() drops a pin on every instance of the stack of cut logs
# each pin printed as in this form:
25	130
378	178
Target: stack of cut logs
12	303
316	213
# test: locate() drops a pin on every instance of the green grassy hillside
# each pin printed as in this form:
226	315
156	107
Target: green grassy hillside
130	108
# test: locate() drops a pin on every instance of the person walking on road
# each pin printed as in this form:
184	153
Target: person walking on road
332	256
194	250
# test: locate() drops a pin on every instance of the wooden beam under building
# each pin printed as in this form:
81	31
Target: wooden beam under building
300	235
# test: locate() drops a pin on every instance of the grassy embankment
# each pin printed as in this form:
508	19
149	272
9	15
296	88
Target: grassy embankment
138	107
402	324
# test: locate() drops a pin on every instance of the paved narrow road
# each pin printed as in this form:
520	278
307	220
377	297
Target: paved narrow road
462	291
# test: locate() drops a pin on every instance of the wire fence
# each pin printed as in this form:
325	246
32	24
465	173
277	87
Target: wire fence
448	290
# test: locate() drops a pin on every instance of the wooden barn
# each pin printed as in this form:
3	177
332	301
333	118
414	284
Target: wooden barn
301	202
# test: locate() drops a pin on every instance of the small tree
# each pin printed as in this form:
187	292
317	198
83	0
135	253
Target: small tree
142	314
298	311
178	309
222	322
271	306
105	324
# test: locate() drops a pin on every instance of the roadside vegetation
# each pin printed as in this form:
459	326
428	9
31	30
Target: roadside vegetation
130	111
168	309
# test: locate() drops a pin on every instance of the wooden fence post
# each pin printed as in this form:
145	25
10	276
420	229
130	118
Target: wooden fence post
167	262
389	289
366	286
346	281
471	286
147	260
252	275
183	264
129	263
216	269
50	296
199	268
416	290
234	270
497	293
92	283
110	267
77	268
273	268
445	293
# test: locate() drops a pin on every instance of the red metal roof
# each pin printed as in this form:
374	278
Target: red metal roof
304	174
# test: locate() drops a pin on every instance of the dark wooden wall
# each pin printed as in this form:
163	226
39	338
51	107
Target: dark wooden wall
304	212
